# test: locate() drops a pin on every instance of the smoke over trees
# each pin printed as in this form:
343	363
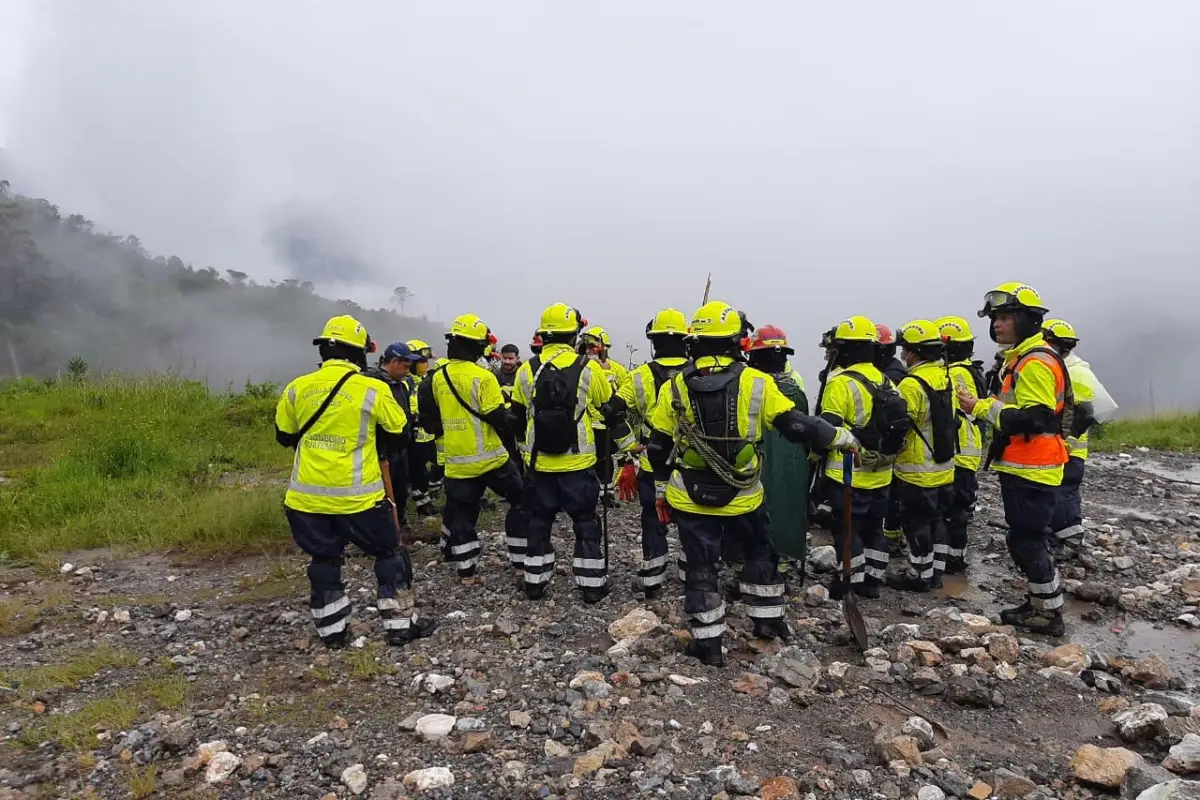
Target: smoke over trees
68	290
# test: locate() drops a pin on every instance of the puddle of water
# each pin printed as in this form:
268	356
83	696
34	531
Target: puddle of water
1190	474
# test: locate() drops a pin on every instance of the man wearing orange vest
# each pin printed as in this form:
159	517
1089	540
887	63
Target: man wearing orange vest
1028	449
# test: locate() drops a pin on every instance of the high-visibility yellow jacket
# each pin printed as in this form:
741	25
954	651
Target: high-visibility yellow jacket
915	463
616	375
593	391
470	446
846	398
1030	379
640	394
759	402
1083	384
336	466
970	437
419	434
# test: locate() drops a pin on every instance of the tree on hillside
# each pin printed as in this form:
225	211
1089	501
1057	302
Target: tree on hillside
400	296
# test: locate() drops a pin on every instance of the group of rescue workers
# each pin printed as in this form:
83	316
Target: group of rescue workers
691	427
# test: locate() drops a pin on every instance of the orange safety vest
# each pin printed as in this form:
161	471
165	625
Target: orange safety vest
1039	450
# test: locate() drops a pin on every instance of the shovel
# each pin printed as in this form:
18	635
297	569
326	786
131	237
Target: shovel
850	611
386	471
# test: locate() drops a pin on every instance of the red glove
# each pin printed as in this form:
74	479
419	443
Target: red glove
627	483
664	510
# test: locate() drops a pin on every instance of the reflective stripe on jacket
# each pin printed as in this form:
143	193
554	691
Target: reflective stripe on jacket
850	400
1030	379
915	462
641	396
593	391
970	436
759	402
336	467
470	447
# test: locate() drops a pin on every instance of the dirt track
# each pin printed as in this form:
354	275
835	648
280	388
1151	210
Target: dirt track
543	710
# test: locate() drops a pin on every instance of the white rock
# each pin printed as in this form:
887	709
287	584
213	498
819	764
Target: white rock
1005	672
1143	721
930	792
207	750
434	683
221	767
816	595
83	572
66	568
355	778
320	737
683	680
102	618
429	779
121	616
183	615
838	669
1177	789
823	558
920	730
976	623
432	727
359	643
455	615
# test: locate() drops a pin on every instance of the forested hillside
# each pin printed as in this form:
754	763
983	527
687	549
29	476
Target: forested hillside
68	289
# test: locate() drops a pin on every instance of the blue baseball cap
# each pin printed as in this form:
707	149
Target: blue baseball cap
400	350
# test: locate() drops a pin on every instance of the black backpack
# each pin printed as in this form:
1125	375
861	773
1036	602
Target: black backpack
941	420
889	424
975	368
555	391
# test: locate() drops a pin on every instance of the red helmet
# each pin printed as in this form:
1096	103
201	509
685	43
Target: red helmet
885	334
768	337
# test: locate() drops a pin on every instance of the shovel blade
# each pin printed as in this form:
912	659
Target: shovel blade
854	619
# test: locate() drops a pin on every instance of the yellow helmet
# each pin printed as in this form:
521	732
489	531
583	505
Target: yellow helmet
561	318
469	326
598	334
420	347
717	320
669	321
854	329
1012	296
918	333
345	329
954	329
1060	329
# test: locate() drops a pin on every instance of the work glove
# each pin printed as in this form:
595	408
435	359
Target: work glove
627	483
844	440
660	503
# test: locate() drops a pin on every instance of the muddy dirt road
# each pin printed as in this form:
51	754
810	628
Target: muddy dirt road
171	677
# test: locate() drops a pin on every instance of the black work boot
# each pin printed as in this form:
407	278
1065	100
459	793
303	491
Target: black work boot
535	591
1047	623
936	581
869	589
594	594
836	588
956	565
772	629
649	592
419	629
607	498
1018	615
907	582
708	651
732	590
337	641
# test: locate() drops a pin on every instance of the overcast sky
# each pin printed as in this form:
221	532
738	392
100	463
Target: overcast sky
892	159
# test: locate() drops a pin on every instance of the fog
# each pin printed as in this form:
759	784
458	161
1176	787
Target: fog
894	160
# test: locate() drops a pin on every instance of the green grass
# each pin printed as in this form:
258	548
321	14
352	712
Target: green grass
137	462
68	672
1175	432
77	729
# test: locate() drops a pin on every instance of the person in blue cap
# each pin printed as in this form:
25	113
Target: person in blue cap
393	369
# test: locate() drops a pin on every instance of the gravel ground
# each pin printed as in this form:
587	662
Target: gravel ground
133	676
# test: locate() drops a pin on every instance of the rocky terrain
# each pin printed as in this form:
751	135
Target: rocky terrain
163	676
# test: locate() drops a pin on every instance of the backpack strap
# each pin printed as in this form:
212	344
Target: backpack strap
307	426
450	384
929	390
